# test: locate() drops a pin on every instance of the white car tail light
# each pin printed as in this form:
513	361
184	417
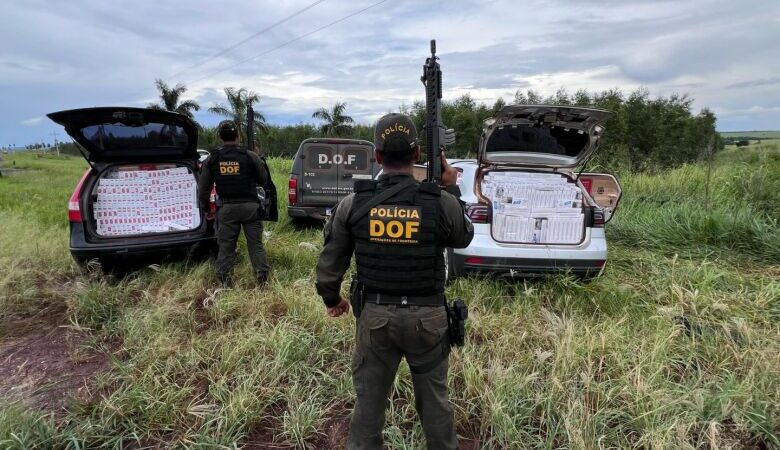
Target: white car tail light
598	217
478	212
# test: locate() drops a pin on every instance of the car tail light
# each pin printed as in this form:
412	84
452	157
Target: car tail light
598	217
600	263
74	204
478	212
474	260
292	191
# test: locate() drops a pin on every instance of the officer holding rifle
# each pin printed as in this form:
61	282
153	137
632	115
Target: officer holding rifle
398	229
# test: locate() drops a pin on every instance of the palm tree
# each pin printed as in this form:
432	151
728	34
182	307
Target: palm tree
169	99
238	100
336	122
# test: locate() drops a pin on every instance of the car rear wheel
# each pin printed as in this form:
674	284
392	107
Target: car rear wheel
449	266
87	265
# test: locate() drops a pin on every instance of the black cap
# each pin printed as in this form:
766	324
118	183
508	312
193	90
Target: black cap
395	125
227	125
227	130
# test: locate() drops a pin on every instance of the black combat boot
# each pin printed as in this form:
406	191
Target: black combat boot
227	281
262	280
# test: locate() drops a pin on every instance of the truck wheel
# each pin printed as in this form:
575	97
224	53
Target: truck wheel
305	223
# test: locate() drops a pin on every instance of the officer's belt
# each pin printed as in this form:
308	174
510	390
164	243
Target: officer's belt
404	300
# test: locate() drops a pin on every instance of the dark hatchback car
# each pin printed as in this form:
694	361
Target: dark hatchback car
323	172
138	198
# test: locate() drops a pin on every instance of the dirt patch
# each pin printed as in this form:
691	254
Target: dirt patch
264	441
334	433
45	364
331	435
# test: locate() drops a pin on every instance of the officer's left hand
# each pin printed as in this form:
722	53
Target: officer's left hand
341	308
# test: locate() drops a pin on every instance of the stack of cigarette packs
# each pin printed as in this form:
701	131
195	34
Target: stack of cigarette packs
131	202
534	208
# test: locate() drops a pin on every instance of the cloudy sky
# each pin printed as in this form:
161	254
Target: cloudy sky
57	55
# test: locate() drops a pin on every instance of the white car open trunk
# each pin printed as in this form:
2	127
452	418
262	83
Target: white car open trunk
132	200
534	207
526	154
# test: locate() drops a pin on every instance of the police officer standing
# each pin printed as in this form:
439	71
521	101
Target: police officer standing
236	173
398	230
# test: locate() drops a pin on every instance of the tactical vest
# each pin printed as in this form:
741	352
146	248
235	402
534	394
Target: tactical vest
397	244
234	175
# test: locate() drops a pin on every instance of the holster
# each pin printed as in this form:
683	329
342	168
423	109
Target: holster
264	202
357	297
457	314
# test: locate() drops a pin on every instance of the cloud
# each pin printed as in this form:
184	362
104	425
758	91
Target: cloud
59	55
755	83
33	121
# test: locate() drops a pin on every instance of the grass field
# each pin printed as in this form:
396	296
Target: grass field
677	345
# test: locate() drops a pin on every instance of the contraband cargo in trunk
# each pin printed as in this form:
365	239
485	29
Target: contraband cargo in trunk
534	208
129	201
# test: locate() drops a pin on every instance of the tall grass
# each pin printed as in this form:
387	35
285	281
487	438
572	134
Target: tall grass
735	213
675	346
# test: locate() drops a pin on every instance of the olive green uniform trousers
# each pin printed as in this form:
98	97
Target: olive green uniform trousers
231	217
385	334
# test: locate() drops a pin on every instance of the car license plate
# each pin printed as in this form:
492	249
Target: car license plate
328	211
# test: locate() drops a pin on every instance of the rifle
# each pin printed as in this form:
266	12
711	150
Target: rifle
250	127
266	194
436	134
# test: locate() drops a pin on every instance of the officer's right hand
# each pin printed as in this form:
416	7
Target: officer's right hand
341	308
449	174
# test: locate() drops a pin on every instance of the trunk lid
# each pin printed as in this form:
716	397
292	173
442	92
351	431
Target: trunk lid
541	136
117	134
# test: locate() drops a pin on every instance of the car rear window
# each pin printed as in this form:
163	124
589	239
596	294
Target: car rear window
319	157
538	139
118	136
355	159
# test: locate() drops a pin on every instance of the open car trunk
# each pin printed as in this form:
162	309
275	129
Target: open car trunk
145	160
526	156
534	207
146	199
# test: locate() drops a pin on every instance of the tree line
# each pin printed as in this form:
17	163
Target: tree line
644	133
